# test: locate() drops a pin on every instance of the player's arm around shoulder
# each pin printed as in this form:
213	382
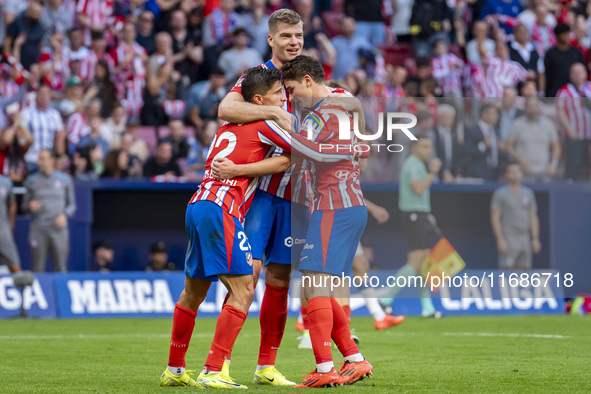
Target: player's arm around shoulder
226	169
234	109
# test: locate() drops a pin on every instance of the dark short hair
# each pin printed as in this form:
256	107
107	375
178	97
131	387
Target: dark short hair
561	28
297	68
420	136
423	61
97	35
217	70
259	80
283	15
486	107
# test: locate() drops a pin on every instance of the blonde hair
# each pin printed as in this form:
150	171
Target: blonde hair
283	15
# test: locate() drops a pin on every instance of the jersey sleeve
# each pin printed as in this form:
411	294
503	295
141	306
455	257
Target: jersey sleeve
238	86
274	135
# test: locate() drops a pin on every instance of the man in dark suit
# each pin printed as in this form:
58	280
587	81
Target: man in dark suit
446	144
481	149
523	52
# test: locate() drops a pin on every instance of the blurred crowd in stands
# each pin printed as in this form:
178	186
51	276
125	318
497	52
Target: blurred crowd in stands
130	88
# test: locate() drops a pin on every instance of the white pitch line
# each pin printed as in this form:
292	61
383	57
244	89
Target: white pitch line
500	334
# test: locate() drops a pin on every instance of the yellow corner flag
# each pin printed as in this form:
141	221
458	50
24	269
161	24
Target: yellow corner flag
443	260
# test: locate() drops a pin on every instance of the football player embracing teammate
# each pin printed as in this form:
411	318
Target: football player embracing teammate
336	225
218	247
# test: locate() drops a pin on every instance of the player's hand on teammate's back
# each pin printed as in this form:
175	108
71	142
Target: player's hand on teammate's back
284	119
224	168
434	165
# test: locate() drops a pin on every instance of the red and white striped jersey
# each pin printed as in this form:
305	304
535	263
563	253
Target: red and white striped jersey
89	63
97	12
249	143
499	73
55	74
277	184
572	101
447	71
335	185
77	128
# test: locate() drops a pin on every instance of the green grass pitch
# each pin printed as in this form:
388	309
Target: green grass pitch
453	354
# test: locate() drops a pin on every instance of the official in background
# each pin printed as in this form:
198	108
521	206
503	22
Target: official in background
8	252
514	220
50	200
417	221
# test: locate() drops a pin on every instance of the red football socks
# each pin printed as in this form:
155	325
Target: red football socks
272	319
341	335
304	311
227	329
347	310
320	323
183	322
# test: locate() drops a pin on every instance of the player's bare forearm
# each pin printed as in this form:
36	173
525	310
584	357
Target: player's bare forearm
234	109
226	169
418	187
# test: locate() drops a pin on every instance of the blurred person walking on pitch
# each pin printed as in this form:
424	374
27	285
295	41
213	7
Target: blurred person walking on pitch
514	220
417	220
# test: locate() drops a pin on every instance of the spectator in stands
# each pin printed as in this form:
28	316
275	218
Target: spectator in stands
135	167
515	223
542	33
528	16
395	81
347	44
76	51
312	22
239	58
499	71
138	147
502	13
129	58
98	52
107	92
55	18
572	105
508	112
8	251
116	164
82	165
423	70
400	23
46	127
102	256
79	123
481	148
429	22
197	157
76	98
527	89
50	199
447	70
158	258
481	39
524	53
257	24
162	163
116	124
12	9
188	54
159	77
145	32
15	140
177	138
446	146
93	15
368	19
217	28
580	40
26	25
559	59
203	99
534	144
94	135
